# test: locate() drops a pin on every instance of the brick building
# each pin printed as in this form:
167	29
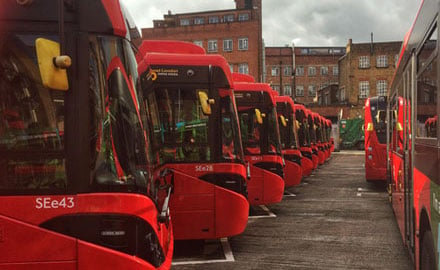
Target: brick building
235	33
278	69
367	69
316	68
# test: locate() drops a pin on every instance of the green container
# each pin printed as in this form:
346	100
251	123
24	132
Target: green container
351	133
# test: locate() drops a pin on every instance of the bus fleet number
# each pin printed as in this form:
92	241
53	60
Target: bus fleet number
49	203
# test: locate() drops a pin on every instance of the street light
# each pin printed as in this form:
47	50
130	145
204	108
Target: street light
293	72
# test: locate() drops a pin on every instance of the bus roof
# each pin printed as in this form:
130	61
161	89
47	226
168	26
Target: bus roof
286	99
188	68
170	46
239	77
100	16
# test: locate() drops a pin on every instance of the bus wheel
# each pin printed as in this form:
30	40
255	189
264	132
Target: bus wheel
427	256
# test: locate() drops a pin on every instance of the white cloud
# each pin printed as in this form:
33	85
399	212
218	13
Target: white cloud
310	22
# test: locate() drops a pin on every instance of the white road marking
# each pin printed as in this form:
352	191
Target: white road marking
229	256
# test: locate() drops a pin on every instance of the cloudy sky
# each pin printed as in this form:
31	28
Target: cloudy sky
306	22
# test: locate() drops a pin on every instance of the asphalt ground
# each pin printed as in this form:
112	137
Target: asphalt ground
333	220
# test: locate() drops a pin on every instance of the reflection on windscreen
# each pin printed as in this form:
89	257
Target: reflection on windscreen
31	121
259	138
379	123
180	127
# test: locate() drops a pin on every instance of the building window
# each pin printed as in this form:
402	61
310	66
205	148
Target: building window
312	90
243	68
396	60
199	20
287	71
381	87
212	45
299	71
324	71
184	21
228	18
342	94
364	61
326	99
198	43
323	85
276	87
243	17
299	92
382	61
227	45
335	70
312	71
243	43
364	89
231	67
287	90
275	71
213	19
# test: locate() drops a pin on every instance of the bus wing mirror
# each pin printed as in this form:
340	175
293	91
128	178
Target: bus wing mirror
52	65
259	116
283	120
205	102
370	127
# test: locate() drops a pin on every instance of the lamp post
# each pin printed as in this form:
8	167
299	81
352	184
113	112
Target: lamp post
281	78
293	72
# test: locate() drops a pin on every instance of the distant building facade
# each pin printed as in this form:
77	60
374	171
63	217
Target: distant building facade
303	73
236	34
278	71
367	69
315	68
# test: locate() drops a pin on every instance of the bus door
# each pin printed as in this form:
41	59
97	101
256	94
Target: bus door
405	118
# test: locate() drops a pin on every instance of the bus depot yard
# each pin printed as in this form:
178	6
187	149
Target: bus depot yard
333	220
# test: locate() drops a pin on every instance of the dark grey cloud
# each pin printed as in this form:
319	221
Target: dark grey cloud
307	22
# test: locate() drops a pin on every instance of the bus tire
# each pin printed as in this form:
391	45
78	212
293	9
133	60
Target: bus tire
427	255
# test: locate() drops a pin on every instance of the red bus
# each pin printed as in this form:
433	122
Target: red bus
313	139
329	136
304	139
261	141
289	140
327	131
76	187
197	136
325	142
375	138
414	149
320	144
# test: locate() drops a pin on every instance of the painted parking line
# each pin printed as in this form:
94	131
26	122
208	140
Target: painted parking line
227	252
268	213
288	194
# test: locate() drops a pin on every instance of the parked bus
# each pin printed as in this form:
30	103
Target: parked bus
329	136
313	139
375	138
304	139
197	136
319	138
289	140
261	141
414	163
76	189
327	131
